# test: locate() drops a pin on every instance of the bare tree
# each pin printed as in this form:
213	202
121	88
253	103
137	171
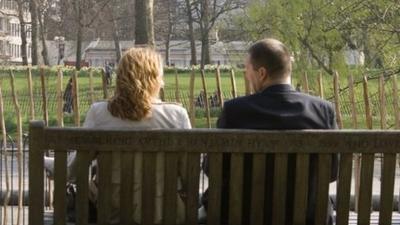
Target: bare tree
206	14
110	19
86	12
167	23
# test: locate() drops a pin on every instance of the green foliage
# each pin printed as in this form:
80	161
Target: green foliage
319	31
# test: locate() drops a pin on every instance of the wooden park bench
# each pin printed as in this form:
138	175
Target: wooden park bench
214	142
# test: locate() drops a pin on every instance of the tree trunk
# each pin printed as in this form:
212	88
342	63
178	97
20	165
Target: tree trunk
78	48
150	22
205	50
193	60
205	30
43	40
144	28
169	33
24	54
79	36
167	51
365	45
34	32
116	41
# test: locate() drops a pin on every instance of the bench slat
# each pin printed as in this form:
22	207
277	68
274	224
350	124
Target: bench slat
301	190
387	189
170	188
214	189
250	141
344	189
36	178
236	189
193	178
126	194
364	200
280	185
60	181
258	189
148	188
82	205
105	188
324	174
82	187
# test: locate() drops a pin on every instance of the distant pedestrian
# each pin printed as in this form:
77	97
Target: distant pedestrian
68	98
108	72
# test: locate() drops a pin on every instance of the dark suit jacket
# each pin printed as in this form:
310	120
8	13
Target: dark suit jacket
278	107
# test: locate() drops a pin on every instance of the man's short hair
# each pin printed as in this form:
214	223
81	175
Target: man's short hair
273	56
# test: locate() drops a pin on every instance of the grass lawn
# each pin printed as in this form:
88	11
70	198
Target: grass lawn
21	84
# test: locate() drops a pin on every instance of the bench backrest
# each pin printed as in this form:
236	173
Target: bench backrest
214	142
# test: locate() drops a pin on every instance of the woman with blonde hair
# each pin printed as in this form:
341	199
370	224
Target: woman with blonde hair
136	104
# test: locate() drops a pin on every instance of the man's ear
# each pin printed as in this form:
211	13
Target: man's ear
262	73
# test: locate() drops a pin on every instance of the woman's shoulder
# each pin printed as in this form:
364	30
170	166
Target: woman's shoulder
99	105
99	108
170	107
174	113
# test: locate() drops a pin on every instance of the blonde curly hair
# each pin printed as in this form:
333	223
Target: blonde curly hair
139	79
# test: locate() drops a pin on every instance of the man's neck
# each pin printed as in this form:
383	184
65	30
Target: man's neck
270	83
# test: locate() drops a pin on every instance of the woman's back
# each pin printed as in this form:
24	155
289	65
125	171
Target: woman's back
163	116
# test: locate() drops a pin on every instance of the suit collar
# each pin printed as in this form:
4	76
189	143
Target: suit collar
278	88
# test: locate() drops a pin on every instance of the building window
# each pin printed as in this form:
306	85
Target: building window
18	28
2	28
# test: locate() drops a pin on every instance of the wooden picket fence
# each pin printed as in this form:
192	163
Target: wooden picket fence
38	102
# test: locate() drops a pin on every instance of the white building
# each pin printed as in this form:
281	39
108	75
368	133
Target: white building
98	53
10	33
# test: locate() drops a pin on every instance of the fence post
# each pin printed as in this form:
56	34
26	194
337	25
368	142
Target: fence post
91	90
305	81
203	79
382	100
352	101
44	97
31	101
321	85
368	120
162	94
191	99
396	116
219	91
368	115
104	79
19	147
177	96
337	100
233	83
60	113
75	98
5	153
247	84
357	157
396	104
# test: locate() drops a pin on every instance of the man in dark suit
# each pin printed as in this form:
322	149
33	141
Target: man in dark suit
274	106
